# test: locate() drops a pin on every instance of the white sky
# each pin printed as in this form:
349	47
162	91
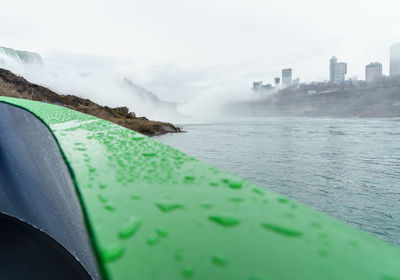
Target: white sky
183	44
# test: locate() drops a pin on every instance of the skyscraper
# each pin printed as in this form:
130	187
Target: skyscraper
373	72
287	77
337	71
257	85
332	64
395	60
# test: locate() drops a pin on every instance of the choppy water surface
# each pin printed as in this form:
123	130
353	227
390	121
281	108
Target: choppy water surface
347	168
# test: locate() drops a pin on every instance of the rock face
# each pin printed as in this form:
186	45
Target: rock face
15	86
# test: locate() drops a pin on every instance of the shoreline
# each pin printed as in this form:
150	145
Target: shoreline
12	85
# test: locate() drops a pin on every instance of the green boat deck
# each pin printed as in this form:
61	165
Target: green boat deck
154	212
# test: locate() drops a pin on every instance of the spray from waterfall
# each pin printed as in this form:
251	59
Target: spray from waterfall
111	82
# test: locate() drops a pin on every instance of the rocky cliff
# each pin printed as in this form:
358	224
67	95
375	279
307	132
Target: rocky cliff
14	86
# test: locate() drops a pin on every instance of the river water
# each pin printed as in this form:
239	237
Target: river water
347	168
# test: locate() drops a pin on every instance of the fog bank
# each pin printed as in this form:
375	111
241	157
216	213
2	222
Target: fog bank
115	82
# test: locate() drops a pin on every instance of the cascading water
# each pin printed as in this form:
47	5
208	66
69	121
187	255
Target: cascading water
21	56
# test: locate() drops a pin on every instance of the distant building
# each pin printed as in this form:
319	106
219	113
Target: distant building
395	60
257	85
277	80
267	87
296	82
373	72
337	71
287	77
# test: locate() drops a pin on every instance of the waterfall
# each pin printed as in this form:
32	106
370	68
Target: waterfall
22	57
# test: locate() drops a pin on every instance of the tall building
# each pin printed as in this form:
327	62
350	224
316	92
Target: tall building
395	60
267	87
337	71
373	72
257	85
332	64
287	77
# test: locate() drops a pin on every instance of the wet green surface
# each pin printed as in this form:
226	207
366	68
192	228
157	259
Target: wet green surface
156	213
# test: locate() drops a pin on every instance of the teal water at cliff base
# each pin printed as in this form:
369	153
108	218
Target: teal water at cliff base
347	168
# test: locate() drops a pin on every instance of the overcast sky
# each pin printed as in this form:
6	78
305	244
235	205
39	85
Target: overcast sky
183	43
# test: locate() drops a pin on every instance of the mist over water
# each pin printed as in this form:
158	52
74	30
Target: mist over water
100	80
211	104
115	82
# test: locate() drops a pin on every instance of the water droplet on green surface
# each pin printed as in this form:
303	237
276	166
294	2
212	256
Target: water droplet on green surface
214	184
236	199
109	207
112	253
137	138
153	240
102	198
282	230
218	261
169	206
225	221
190	178
283	200
178	256
187	273
258	191
161	232
130	228
135	197
149	154
235	184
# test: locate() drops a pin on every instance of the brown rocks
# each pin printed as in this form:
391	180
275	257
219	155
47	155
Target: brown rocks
14	86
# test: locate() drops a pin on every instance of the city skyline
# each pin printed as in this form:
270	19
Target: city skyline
179	49
338	70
